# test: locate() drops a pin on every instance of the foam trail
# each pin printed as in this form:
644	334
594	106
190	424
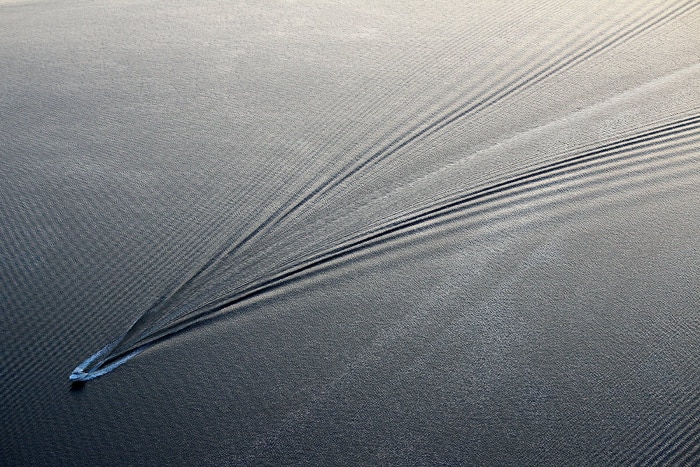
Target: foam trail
80	373
86	372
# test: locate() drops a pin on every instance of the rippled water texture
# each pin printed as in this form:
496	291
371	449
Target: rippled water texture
342	233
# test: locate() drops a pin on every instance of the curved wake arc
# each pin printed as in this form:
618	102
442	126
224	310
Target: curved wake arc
110	357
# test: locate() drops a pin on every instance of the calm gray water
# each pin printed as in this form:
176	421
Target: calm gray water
350	232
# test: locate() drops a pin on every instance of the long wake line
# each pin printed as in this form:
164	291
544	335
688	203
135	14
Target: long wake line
110	357
544	69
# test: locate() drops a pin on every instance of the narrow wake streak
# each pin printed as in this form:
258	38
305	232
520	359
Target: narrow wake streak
676	135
